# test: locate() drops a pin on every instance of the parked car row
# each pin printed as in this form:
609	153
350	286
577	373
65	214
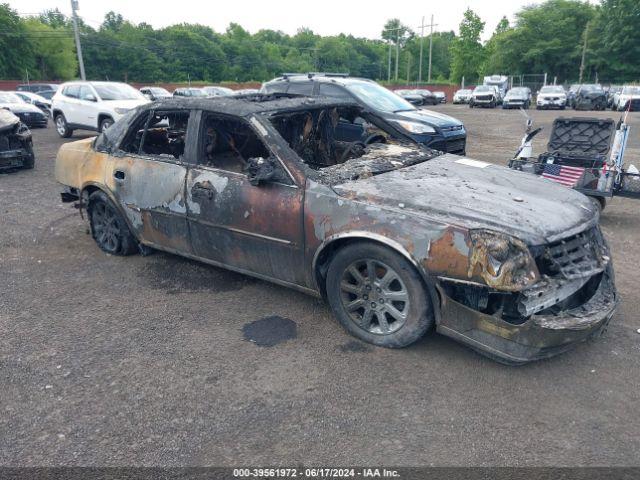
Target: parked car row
578	97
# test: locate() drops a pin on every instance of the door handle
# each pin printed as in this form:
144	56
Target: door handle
119	175
203	190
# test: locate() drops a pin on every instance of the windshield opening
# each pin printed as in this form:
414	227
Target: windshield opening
117	91
379	98
345	143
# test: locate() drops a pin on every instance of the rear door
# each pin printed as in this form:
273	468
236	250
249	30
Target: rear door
256	229
147	176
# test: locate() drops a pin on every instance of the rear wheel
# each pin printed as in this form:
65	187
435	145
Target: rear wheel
61	126
378	296
108	227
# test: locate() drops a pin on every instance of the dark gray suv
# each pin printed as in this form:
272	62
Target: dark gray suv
435	130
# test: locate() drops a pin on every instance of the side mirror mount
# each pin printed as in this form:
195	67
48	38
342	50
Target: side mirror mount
90	97
260	170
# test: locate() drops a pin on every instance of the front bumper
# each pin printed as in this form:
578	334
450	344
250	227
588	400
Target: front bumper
541	336
33	119
450	142
513	103
551	103
10	159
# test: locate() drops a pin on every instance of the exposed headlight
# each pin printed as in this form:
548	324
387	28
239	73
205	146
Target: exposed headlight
121	111
415	127
502	261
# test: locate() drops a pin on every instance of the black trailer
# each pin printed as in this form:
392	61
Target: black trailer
586	154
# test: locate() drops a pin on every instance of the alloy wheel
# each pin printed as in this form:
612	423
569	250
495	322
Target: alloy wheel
374	296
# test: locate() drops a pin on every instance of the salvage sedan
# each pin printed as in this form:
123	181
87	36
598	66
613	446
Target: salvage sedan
397	237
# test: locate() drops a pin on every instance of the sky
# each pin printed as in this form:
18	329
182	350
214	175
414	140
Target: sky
360	18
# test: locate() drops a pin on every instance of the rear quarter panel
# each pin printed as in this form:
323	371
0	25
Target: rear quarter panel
77	164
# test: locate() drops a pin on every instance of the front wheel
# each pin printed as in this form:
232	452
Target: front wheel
108	227
61	126
378	296
105	124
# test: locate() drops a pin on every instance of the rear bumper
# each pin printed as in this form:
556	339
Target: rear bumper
541	336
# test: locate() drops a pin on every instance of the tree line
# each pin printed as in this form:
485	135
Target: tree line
547	38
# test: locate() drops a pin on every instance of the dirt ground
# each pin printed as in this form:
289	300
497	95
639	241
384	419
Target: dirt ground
144	360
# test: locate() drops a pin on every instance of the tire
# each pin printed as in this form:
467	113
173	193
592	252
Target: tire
470	105
105	124
108	227
599	202
391	323
61	126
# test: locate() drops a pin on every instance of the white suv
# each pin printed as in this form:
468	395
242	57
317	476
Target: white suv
92	105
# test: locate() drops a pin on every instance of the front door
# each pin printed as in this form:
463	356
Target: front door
252	228
147	176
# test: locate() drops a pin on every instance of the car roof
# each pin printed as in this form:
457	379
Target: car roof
323	78
244	105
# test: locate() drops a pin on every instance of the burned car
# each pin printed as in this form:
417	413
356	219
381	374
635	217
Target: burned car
397	237
16	145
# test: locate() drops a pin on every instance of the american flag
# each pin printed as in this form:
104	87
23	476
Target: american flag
567	176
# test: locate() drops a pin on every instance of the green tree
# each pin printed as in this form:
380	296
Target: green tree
546	38
16	55
615	42
53	50
467	51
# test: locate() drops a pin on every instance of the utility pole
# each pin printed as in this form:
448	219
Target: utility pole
397	30
584	51
421	45
408	67
74	8
430	48
397	51
389	69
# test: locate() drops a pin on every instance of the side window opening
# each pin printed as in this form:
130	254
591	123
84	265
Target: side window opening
131	142
301	88
316	137
156	133
166	134
228	144
330	90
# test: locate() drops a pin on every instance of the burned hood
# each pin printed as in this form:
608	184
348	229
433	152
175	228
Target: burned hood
473	194
7	120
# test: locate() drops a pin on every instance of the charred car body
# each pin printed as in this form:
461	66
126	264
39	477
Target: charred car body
16	145
515	267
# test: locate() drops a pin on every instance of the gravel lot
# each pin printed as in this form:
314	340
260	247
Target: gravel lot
143	360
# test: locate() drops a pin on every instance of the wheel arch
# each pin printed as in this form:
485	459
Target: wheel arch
102	116
92	187
332	244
